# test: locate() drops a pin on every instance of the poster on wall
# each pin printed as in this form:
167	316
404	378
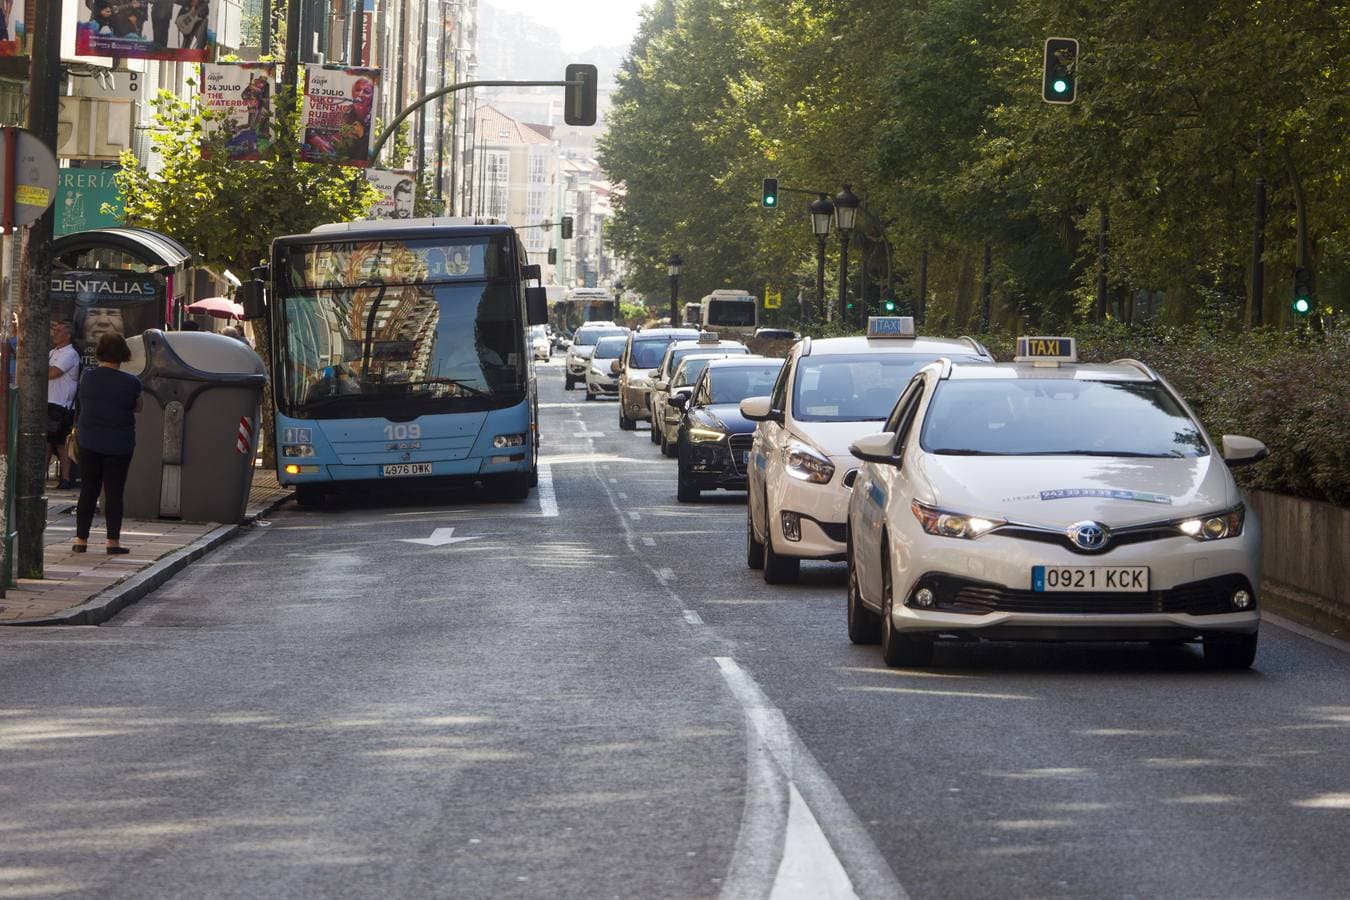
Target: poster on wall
240	97
397	189
181	30
13	28
106	301
338	115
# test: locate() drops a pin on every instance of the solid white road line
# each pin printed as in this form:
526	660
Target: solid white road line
849	865
1311	634
548	500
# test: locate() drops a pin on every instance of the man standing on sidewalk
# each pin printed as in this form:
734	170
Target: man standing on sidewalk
63	381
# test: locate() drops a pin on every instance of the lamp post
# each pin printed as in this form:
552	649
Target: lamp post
845	217
822	215
676	265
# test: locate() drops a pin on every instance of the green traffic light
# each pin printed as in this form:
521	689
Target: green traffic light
890	306
770	200
1061	86
1302	306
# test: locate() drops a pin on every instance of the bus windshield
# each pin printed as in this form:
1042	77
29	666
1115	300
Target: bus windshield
434	339
731	312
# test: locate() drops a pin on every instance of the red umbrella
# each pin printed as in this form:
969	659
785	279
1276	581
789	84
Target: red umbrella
219	307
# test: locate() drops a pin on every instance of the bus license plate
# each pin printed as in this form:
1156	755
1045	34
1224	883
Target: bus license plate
1098	579
398	469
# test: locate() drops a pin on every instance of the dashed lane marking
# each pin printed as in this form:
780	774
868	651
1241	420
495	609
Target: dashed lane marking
649	542
548	499
692	617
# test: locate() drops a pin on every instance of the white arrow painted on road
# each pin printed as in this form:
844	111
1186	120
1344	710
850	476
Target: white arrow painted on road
439	538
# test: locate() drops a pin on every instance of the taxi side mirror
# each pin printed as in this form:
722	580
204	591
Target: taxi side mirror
760	409
1242	451
876	448
653	374
615	368
660	385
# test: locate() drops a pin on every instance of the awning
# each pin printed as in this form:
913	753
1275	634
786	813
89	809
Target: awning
150	247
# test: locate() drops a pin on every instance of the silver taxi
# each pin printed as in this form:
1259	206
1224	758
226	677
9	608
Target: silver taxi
659	378
829	393
1050	500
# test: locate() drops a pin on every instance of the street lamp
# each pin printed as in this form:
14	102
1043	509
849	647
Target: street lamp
822	214
846	205
676	265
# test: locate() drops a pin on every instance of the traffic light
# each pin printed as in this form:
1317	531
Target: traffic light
566	228
1302	304
552	256
579	99
888	305
769	199
1059	83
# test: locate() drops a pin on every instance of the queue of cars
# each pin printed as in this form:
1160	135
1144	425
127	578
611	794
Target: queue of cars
1041	499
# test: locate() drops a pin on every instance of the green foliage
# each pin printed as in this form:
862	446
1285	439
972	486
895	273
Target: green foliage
228	212
932	110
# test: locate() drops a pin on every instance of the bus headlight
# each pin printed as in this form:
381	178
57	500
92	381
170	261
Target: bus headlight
297	450
807	465
508	440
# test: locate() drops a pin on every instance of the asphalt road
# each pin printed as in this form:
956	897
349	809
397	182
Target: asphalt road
592	696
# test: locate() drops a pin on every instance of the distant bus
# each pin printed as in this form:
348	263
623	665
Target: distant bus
729	311
581	305
693	314
399	352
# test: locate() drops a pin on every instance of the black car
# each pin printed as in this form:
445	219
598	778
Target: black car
713	441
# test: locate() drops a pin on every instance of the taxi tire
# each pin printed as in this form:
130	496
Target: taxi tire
864	626
589	395
625	423
669	448
899	650
1224	652
568	383
778	569
754	550
655	435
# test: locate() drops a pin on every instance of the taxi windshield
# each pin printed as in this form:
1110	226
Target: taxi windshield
647	353
857	388
732	384
680	353
1053	417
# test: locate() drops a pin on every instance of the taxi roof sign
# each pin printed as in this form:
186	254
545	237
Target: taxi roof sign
890	326
708	337
1046	351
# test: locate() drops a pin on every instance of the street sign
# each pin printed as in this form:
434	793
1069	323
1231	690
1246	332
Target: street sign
773	299
29	175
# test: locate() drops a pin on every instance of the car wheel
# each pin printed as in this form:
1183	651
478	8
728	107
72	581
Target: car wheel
778	569
669	448
568	383
864	626
754	550
655	434
899	649
589	395
1230	652
625	423
685	489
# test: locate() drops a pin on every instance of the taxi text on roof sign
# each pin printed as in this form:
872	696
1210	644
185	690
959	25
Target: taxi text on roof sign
708	337
890	326
1046	350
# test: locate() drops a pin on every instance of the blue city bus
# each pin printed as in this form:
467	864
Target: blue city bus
399	353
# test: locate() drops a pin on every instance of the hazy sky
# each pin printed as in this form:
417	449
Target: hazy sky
583	25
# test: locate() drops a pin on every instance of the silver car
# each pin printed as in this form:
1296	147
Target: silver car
583	342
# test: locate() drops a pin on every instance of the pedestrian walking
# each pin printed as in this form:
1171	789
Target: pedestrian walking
63	380
106	432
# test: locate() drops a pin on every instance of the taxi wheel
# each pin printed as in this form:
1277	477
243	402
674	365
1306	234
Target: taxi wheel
1225	652
655	434
754	550
568	383
899	650
589	395
864	626
778	569
625	423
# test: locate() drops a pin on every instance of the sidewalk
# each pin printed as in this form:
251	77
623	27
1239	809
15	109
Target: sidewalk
90	588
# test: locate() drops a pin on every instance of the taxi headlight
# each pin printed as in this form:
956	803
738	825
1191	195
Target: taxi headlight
806	464
943	523
1215	527
700	435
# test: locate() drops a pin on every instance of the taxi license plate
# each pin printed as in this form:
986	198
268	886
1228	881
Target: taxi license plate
1098	579
397	469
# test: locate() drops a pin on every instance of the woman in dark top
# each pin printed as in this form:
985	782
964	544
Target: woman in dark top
106	433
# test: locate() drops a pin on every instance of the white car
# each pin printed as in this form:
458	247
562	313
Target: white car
600	378
830	392
541	347
682	383
579	354
1028	502
659	378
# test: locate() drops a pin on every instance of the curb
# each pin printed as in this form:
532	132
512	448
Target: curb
112	600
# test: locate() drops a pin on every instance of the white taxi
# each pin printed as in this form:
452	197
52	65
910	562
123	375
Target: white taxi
829	393
659	378
1050	500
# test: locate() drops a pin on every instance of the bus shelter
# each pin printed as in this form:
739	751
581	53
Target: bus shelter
123	280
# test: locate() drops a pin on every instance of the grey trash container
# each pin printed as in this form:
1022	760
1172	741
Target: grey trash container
196	434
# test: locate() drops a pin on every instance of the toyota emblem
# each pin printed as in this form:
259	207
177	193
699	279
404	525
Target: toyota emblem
1089	535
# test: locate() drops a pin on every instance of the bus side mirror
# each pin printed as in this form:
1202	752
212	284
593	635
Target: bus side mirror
536	305
250	296
531	272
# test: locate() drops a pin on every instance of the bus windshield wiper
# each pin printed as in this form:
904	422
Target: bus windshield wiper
476	391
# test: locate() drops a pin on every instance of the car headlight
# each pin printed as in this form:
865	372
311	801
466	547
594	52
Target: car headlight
701	435
942	523
806	464
1215	527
